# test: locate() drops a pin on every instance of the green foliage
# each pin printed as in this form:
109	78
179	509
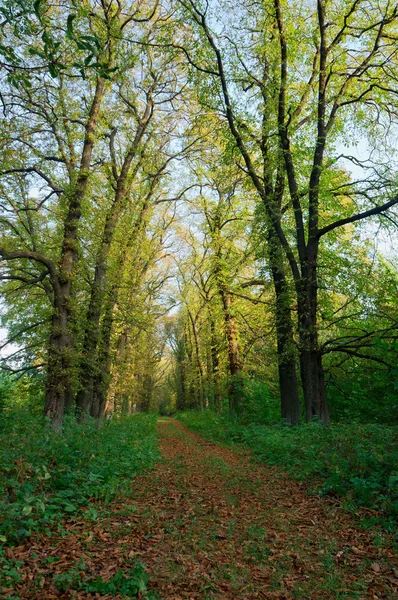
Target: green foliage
218	428
10	570
131	583
355	461
27	392
165	408
6	390
45	476
128	584
365	395
260	405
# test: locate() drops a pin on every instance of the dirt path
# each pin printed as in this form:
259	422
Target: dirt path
208	523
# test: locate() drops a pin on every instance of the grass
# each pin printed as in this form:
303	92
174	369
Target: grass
353	461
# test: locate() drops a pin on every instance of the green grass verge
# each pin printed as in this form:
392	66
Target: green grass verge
356	462
45	477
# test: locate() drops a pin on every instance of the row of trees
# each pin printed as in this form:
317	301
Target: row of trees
84	185
271	123
292	82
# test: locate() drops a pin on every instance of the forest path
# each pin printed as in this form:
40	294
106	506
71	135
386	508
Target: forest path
208	523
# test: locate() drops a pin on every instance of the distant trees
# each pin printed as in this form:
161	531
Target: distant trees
225	316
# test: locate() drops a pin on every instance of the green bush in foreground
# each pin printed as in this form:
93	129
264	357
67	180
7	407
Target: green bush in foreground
355	461
45	476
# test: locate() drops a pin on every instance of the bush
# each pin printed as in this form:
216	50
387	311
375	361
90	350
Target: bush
260	406
45	476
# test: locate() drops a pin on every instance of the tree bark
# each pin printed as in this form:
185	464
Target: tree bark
180	372
88	366
312	374
235	386
288	385
198	360
215	365
61	344
102	377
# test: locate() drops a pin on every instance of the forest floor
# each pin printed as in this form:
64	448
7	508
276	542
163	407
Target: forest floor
207	522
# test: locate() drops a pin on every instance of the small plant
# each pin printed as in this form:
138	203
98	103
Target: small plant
71	579
128	584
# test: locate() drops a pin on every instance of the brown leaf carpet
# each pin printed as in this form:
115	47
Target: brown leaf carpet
209	523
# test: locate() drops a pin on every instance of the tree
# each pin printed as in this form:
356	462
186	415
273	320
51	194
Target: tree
302	112
233	161
67	105
221	320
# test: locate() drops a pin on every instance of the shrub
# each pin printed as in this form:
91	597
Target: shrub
45	476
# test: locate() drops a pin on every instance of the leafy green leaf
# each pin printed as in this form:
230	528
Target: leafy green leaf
36	8
69	26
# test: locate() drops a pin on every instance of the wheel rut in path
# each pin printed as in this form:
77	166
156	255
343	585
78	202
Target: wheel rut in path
209	523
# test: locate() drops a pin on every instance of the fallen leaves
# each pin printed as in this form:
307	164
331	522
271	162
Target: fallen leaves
208	523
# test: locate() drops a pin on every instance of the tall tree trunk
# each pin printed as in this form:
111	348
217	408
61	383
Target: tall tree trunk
312	374
56	383
181	386
181	402
193	396
61	361
199	361
235	386
103	374
88	366
215	363
89	359
288	384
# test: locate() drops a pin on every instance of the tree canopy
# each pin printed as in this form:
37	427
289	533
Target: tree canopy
199	200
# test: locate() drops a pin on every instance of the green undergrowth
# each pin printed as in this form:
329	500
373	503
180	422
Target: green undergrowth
131	583
45	477
128	583
356	462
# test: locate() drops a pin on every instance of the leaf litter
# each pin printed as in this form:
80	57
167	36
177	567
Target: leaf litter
208	523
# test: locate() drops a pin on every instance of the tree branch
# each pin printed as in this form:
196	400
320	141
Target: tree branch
358	217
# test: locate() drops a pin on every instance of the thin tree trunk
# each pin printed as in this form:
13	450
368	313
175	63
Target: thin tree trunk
215	362
199	361
193	395
102	377
235	386
180	373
